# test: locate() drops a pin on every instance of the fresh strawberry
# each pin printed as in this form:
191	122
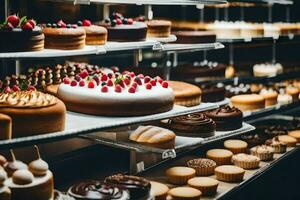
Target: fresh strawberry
104	89
148	86
134	84
126	81
110	83
31	88
118	88
27	26
141	76
62	24
147	79
104	77
81	83
129	21
13	20
16	88
131	90
153	82
96	79
91	84
7	90
119	21
86	22
32	22
138	80
84	74
66	80
121	83
165	84
73	83
132	74
158	79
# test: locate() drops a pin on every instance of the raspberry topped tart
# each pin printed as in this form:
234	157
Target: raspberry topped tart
18	35
116	94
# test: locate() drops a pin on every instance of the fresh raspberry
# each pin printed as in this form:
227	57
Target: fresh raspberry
110	75
109	83
62	24
132	74
16	88
74	83
81	83
153	82
13	20
141	76
147	79
84	74
158	79
27	26
104	89
86	22
126	81
96	79
131	90
7	90
118	88
77	78
148	86
91	84
129	21
134	84
32	22
67	80
138	80
165	84
119	21
31	88
104	77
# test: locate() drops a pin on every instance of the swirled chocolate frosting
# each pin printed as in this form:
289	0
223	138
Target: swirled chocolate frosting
193	123
139	188
98	190
26	99
224	111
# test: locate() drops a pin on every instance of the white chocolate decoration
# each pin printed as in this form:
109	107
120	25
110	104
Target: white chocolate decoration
22	177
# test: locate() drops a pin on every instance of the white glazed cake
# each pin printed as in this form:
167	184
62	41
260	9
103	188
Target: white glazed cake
116	94
267	69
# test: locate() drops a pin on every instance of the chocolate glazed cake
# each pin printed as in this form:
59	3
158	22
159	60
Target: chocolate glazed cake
194	37
227	118
139	188
18	40
212	93
193	125
96	190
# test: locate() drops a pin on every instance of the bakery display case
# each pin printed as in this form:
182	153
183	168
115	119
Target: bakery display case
149	99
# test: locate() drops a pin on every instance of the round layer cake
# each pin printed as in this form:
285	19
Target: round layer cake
248	102
211	93
5	126
44	113
17	40
64	38
116	94
227	118
185	94
193	125
192	37
95	35
158	28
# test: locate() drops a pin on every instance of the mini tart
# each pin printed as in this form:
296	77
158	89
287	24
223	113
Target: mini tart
208	186
158	190
180	175
295	134
263	152
278	146
288	140
95	35
203	166
247	102
185	193
185	94
270	96
220	156
246	161
159	28
236	146
229	173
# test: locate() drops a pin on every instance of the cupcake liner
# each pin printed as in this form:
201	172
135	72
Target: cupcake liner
263	156
205	171
226	177
246	164
279	148
237	150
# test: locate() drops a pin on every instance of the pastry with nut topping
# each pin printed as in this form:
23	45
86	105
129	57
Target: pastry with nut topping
246	161
203	166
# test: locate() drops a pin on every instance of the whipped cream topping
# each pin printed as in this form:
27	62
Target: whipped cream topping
29	99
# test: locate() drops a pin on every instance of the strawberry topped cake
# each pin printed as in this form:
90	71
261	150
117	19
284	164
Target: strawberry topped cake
116	94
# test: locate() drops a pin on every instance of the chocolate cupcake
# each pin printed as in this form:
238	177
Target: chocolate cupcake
193	125
97	190
138	187
212	93
227	118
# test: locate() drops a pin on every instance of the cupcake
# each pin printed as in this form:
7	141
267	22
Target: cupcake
263	152
185	193
246	161
295	134
279	147
208	186
203	166
158	190
229	173
180	175
220	156
236	146
288	140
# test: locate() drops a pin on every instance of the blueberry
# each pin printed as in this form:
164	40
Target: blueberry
107	20
114	22
103	83
58	25
125	21
69	25
48	25
79	23
54	25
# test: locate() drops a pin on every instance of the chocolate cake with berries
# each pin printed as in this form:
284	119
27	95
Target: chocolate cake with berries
227	118
64	36
18	35
122	29
95	35
116	94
